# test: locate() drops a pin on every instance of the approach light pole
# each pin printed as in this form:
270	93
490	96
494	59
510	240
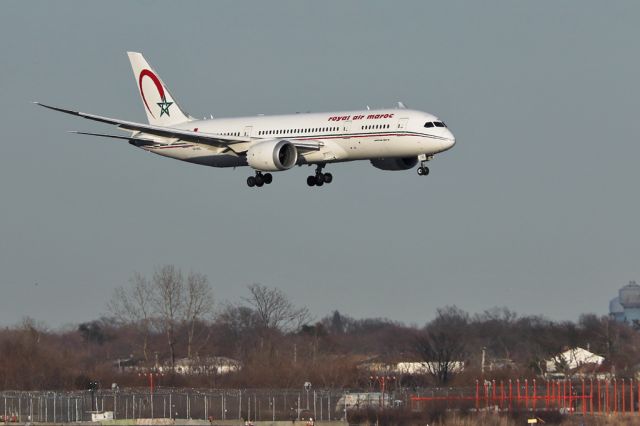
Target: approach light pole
307	387
150	376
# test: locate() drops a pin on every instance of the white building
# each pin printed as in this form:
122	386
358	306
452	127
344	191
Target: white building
410	368
572	359
205	365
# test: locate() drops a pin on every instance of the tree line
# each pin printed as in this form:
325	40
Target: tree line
169	315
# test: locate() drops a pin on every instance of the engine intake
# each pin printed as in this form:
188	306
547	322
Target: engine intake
272	155
395	163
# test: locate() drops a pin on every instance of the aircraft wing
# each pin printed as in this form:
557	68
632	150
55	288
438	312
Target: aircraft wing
167	132
237	144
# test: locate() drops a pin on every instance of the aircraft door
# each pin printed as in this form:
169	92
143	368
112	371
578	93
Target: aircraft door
247	131
346	126
402	124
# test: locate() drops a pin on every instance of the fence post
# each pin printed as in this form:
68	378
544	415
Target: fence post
591	396
510	395
546	395
493	392
477	395
486	394
571	398
631	407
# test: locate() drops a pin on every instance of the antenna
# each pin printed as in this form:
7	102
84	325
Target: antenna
401	105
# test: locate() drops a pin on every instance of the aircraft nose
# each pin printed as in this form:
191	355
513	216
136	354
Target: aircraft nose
450	139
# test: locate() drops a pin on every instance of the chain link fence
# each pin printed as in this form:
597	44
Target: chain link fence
202	404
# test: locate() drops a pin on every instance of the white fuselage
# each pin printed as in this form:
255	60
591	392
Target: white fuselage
343	136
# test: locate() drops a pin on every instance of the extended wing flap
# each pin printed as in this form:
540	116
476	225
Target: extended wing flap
138	141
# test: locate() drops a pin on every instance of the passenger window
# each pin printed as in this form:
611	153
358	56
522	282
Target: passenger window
428	125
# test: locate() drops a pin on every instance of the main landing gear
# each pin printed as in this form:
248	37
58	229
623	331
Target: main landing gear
423	170
320	178
259	179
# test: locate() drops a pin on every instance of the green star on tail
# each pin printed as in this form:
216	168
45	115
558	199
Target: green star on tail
164	107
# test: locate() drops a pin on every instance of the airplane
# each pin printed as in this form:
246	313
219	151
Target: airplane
391	139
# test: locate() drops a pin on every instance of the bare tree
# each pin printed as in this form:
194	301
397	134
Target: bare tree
132	305
168	303
274	310
198	305
442	343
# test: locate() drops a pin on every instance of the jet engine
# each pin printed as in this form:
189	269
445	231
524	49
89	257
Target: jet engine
272	155
395	163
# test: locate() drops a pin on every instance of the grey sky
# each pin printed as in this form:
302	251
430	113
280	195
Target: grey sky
536	208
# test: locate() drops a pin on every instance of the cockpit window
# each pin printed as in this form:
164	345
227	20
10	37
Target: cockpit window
428	125
439	124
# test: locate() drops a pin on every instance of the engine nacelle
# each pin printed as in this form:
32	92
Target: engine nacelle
395	163
272	155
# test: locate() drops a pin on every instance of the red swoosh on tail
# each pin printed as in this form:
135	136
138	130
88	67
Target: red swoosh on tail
156	81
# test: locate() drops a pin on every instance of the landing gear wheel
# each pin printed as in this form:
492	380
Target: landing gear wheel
268	178
327	177
259	180
423	170
251	181
311	181
319	180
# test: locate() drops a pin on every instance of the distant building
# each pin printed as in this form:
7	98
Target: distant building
571	360
409	368
356	401
626	307
204	366
129	364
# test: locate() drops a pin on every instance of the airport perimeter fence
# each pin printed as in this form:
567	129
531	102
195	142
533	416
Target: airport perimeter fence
583	396
202	404
578	396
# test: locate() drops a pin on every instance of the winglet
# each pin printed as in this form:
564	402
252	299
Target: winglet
67	111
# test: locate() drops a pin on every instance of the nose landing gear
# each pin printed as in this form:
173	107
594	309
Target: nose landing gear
423	170
320	178
259	179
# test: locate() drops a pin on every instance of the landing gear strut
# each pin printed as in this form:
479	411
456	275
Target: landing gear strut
259	179
423	170
320	178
